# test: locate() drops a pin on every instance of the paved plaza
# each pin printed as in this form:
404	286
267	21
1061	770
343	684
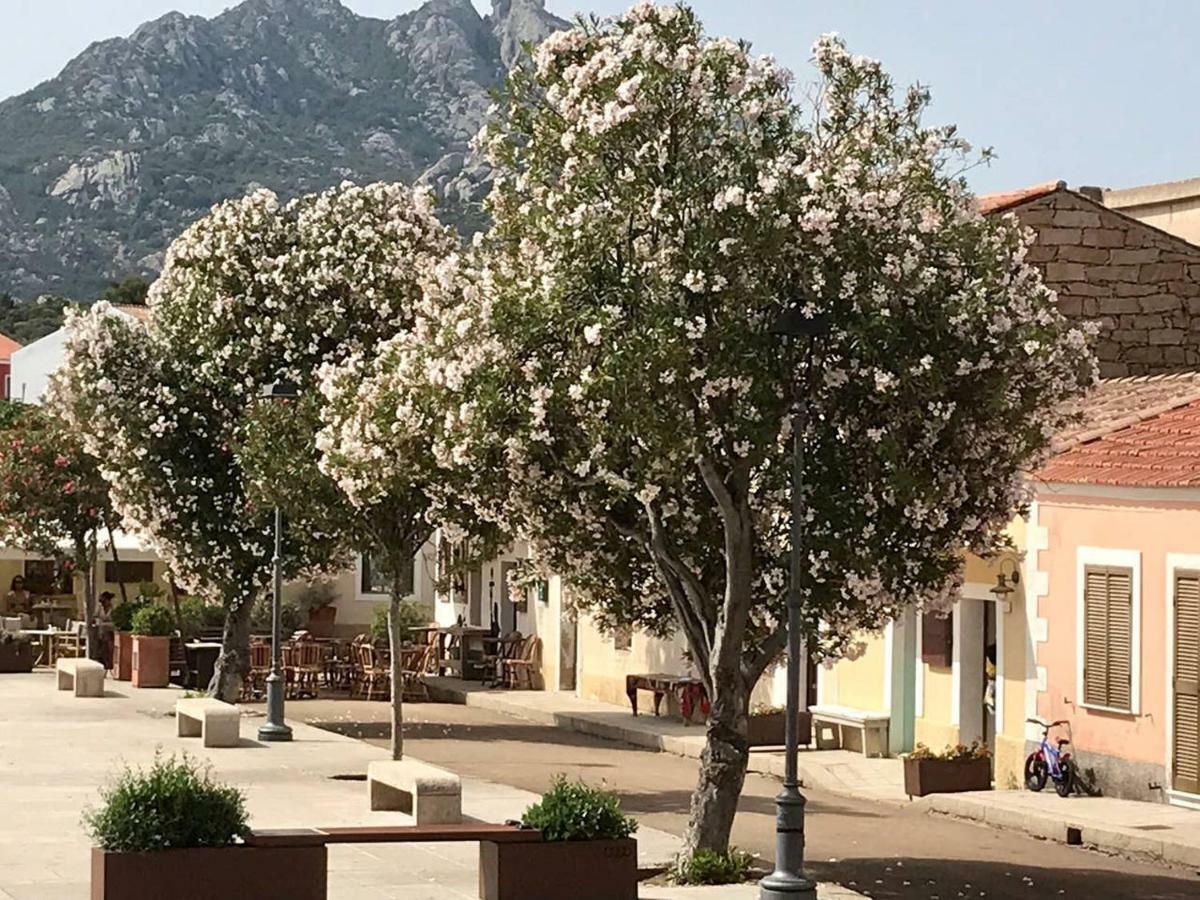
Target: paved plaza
56	750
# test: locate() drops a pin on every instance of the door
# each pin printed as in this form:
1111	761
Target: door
1186	684
508	609
568	636
475	597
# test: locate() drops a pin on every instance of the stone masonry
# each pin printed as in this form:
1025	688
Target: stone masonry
1141	284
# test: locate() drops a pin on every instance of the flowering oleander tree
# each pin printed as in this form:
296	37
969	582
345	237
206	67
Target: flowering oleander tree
661	198
52	495
255	292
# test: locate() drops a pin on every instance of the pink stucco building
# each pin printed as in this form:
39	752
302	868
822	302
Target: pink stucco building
1118	653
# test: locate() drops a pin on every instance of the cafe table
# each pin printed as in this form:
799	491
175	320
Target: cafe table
464	663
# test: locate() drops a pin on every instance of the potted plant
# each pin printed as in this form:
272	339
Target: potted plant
317	600
122	621
766	726
959	768
152	628
587	853
16	653
171	831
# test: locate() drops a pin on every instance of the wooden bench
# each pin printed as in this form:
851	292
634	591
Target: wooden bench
215	722
84	676
872	726
489	837
432	796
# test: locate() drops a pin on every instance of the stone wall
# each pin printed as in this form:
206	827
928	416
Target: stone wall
1141	284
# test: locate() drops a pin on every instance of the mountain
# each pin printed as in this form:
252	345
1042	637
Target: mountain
103	165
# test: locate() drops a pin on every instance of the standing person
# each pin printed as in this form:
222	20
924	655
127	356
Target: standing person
104	627
18	601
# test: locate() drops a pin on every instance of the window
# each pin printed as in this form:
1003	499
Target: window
45	576
622	637
376	581
1108	625
124	572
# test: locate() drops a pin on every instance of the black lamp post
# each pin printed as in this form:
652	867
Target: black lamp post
275	728
788	881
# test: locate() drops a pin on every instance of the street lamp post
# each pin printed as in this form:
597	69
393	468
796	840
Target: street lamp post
275	728
788	881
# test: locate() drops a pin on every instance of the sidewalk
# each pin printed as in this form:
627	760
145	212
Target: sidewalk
1157	830
836	771
56	750
736	892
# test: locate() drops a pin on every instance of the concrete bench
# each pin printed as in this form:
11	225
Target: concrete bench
871	726
208	718
84	676
432	796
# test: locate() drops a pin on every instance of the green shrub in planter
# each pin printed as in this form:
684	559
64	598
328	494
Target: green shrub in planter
172	805
154	620
731	866
411	616
573	811
123	613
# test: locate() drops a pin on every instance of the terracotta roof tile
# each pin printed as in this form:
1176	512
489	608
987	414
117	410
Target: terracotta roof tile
141	313
8	346
1002	200
1156	447
1117	403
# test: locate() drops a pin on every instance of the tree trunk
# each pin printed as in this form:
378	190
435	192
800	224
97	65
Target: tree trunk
86	556
722	773
400	570
234	662
112	543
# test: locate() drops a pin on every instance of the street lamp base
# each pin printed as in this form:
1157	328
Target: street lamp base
273	732
784	886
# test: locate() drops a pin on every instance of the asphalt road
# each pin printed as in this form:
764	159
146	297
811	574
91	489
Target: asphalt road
880	850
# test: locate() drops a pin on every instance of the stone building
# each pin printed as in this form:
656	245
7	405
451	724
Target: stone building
1140	283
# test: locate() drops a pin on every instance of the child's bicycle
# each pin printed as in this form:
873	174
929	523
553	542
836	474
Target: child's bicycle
1051	762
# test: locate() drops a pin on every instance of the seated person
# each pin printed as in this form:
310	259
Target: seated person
18	601
104	627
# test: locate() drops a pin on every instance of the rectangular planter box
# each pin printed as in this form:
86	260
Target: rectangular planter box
16	656
211	873
945	776
122	661
559	870
320	621
151	661
767	730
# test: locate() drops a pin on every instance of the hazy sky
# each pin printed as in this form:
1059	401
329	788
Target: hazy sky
1090	91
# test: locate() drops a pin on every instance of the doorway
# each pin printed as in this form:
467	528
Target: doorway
568	640
508	609
475	596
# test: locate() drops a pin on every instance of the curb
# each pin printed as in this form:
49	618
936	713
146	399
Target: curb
1066	829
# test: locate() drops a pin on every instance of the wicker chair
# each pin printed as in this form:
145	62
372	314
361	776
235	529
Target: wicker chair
414	663
303	666
255	685
374	676
520	671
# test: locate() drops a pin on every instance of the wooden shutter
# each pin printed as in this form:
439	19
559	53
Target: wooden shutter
1108	637
1186	684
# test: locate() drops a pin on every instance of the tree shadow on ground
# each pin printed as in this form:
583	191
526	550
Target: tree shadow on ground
949	879
434	731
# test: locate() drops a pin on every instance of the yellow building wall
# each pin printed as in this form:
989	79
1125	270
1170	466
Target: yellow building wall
602	667
859	683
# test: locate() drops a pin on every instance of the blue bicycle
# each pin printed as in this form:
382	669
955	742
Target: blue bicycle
1051	762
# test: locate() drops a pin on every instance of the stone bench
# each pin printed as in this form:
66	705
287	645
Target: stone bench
84	676
208	718
432	796
873	727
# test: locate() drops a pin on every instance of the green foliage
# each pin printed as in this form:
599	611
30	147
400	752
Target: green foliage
573	811
732	866
291	616
174	804
153	620
28	320
123	613
410	616
10	413
317	595
129	291
194	614
974	750
150	591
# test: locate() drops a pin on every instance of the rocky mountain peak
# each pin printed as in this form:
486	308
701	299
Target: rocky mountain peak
102	166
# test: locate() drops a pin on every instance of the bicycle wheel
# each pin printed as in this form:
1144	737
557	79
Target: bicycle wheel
1066	782
1036	772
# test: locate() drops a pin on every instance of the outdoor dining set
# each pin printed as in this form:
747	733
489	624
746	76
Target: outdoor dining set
362	667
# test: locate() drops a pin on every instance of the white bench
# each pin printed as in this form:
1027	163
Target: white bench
432	796
212	720
84	676
871	726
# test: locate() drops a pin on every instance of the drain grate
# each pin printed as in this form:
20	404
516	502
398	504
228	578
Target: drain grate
350	776
1154	827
